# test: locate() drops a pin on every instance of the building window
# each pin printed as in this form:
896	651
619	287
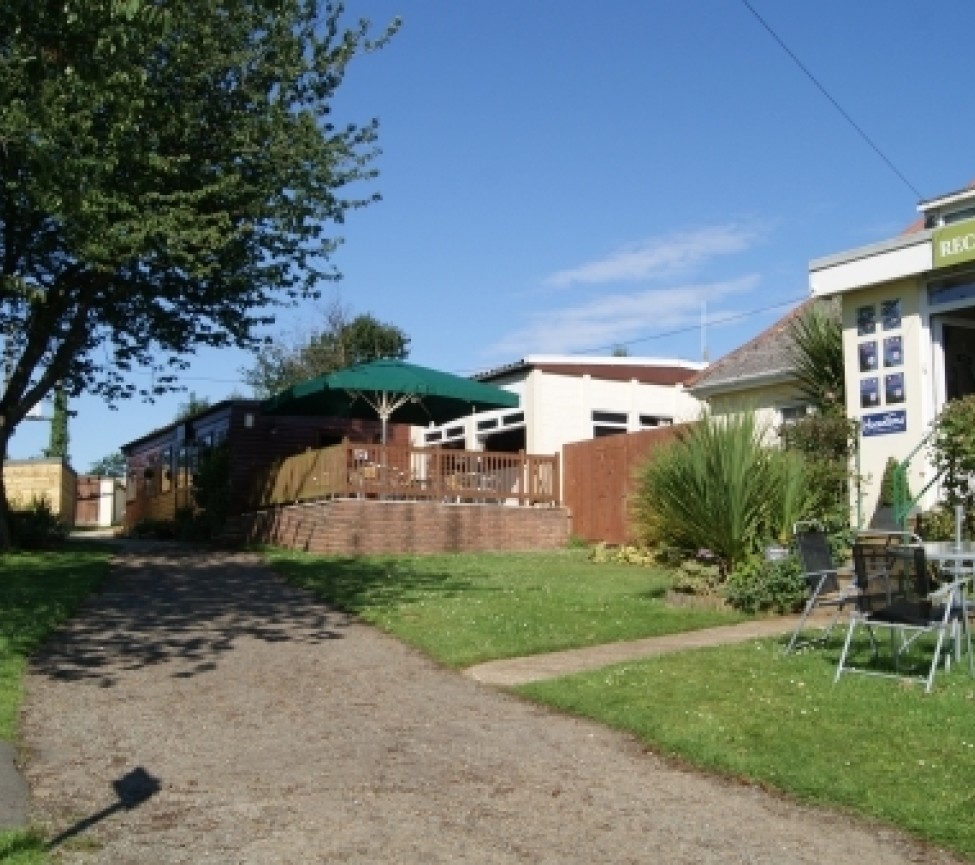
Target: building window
608	423
789	414
649	421
445	435
151	475
957	215
166	471
954	289
599	431
184	467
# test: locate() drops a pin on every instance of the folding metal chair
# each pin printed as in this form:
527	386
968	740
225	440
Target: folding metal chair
822	581
904	602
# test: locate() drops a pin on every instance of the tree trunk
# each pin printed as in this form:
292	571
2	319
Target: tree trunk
6	540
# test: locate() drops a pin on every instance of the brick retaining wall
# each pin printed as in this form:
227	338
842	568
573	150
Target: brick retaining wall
350	526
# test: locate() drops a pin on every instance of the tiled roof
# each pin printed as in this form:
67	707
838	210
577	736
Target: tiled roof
648	370
764	357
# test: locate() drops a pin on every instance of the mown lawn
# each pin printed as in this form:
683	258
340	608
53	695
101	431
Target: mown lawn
37	592
467	608
878	747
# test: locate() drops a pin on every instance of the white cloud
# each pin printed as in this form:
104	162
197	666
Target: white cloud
659	257
615	319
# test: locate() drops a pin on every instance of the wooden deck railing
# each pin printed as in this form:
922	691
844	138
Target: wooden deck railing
398	472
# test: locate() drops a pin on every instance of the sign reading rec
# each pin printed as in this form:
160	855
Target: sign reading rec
953	244
884	423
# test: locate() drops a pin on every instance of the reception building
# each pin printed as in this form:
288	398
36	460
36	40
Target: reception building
908	311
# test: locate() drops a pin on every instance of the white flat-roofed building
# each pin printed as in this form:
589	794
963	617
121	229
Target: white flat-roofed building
568	398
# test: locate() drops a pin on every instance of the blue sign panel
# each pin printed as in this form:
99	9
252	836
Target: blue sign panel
884	423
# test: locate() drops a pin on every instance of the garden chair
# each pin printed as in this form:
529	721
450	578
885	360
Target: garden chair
822	582
904	602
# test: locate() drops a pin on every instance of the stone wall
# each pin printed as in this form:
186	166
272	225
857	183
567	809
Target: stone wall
367	526
50	479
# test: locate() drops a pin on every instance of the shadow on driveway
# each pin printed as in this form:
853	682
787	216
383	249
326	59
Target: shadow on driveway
166	602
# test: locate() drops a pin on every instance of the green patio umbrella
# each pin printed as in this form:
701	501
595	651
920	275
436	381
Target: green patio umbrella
416	394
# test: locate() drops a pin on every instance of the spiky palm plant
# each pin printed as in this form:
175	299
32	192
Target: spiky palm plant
792	493
718	487
816	354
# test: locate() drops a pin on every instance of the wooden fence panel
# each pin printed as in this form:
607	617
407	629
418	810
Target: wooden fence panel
600	482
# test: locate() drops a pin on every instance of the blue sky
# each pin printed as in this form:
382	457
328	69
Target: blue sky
563	177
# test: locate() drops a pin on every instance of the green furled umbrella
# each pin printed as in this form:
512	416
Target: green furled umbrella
416	394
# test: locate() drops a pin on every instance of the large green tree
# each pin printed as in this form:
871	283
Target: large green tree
193	406
339	343
110	466
169	171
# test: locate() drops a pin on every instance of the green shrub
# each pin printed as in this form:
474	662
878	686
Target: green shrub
827	444
887	497
697	577
938	524
719	487
36	526
191	525
758	586
211	493
953	451
158	530
624	555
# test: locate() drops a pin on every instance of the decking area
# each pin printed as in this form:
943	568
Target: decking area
404	473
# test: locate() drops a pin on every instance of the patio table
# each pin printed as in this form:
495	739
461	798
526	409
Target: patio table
958	559
956	555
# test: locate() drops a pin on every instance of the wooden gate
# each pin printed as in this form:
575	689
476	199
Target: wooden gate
599	481
89	497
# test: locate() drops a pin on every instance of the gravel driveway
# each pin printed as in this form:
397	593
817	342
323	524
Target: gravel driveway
281	732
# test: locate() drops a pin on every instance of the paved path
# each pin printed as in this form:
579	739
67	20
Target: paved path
13	790
509	672
200	710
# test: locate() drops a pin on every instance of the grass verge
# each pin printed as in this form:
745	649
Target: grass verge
37	592
22	848
877	747
466	608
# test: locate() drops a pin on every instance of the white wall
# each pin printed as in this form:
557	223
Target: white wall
918	386
562	406
765	402
558	408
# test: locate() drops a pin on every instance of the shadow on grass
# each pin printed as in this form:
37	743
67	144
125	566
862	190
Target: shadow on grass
39	590
355	585
185	607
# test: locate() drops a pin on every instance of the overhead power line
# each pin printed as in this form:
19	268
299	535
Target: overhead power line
832	99
726	319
